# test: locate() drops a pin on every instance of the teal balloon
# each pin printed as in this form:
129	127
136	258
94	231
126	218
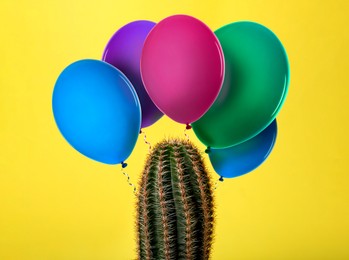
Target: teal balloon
245	157
97	111
254	88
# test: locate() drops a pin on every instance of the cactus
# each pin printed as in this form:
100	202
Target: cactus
175	212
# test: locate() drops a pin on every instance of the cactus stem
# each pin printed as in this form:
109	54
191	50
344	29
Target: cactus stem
175	213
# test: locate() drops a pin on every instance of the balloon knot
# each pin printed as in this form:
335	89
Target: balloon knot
221	179
208	150
140	131
123	164
188	127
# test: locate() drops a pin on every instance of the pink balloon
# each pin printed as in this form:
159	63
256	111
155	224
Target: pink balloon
182	67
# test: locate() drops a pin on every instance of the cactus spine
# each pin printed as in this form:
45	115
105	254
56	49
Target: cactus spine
175	204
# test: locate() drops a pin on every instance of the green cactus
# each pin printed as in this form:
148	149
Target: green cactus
175	211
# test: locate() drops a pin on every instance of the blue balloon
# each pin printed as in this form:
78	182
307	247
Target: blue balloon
97	111
243	158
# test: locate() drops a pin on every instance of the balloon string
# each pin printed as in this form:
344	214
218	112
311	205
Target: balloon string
128	178
145	140
187	128
217	182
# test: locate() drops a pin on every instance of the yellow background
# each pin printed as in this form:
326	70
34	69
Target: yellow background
57	204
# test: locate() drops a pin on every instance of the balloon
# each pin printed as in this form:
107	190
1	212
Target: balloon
124	52
254	89
97	110
245	157
182	67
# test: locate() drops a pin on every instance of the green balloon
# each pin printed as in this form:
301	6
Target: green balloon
254	88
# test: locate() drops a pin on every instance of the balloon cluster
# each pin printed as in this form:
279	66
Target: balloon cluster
228	85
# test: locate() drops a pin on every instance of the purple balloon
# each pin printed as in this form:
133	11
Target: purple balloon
123	51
